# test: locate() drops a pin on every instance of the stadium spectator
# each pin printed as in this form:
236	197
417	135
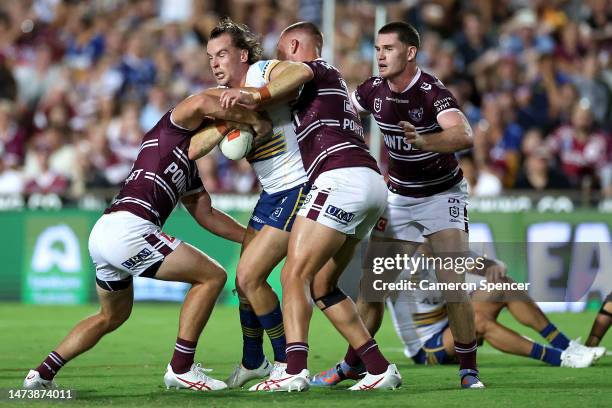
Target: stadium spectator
46	180
11	180
538	175
76	64
12	136
581	148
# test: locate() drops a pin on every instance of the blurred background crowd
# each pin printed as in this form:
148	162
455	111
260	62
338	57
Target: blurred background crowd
82	81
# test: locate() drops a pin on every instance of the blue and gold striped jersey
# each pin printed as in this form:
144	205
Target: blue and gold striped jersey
277	163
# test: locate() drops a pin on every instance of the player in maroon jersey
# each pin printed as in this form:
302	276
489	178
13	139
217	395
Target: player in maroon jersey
422	128
347	197
128	241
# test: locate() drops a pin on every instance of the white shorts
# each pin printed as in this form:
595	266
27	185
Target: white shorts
349	200
414	218
122	245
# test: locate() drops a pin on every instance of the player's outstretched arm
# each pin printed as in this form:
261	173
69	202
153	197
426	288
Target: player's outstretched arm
456	134
190	113
285	80
215	221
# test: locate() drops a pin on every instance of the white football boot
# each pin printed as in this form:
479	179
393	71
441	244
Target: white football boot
241	375
576	358
389	380
278	370
34	381
281	381
194	379
598	352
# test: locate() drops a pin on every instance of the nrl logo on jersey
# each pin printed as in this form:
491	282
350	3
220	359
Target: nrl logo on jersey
416	114
425	86
377	104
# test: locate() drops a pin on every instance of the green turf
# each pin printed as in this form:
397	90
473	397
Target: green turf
127	367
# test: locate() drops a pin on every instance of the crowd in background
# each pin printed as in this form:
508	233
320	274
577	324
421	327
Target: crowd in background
82	81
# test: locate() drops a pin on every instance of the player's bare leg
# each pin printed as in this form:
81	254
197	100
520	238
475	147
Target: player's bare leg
311	247
259	304
529	314
207	278
256	262
115	308
502	338
454	242
343	315
370	312
602	323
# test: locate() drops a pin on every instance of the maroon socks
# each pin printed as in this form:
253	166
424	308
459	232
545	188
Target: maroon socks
52	364
466	353
297	357
182	359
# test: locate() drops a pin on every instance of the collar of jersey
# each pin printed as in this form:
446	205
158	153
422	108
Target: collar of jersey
411	84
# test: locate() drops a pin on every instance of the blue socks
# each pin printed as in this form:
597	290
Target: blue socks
549	355
252	339
556	338
273	324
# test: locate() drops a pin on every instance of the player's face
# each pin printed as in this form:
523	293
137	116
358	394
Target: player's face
391	54
226	60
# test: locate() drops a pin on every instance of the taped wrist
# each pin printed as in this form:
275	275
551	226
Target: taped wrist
264	94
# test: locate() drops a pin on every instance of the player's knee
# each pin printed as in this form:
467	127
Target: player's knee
330	299
218	277
295	271
247	283
111	321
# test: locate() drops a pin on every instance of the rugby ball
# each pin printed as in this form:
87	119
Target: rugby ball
237	141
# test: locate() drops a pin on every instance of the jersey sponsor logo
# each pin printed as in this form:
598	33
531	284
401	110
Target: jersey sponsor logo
257	219
377	82
178	177
353	126
338	213
397	100
442	104
396	142
416	114
425	86
133	176
377	104
381	224
137	259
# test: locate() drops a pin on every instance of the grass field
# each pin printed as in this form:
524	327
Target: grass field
126	368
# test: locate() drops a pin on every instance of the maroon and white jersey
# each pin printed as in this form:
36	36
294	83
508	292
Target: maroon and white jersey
328	129
161	174
412	172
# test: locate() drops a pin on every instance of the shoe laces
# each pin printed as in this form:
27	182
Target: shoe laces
200	372
277	370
